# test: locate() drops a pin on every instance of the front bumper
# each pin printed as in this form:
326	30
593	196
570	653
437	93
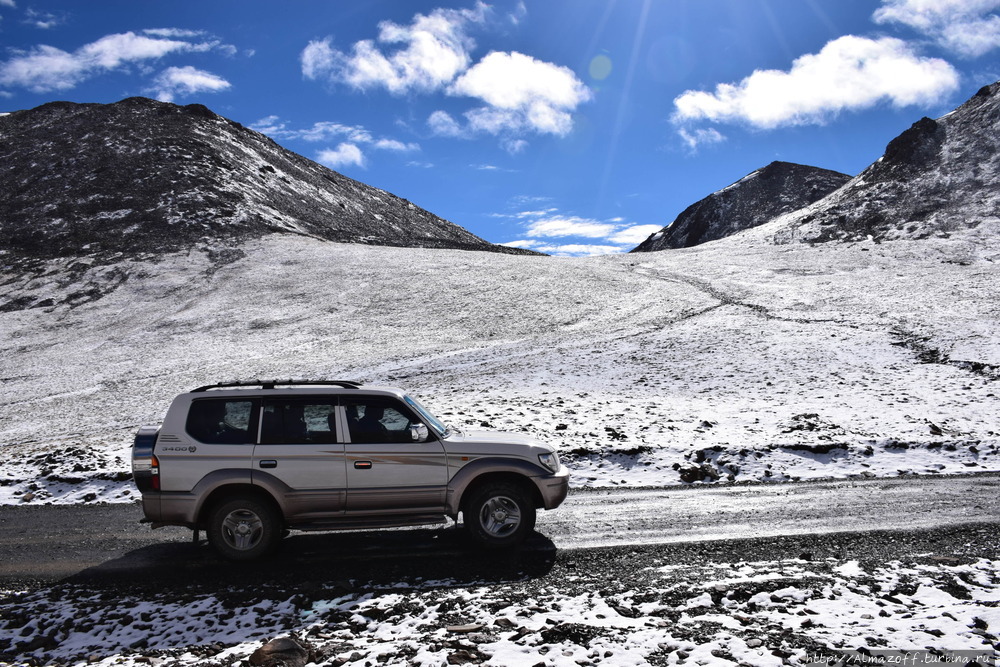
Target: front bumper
554	487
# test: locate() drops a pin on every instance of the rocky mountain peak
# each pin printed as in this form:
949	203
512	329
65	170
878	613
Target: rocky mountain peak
914	147
758	197
937	178
142	176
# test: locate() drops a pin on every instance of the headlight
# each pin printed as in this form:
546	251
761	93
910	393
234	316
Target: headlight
550	461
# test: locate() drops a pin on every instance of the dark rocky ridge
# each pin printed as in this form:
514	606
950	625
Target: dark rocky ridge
778	188
140	176
938	178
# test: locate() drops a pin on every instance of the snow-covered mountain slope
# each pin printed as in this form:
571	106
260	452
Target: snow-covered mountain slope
140	176
938	178
731	360
780	187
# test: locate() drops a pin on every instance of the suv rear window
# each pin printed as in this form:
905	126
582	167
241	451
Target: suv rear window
295	421
221	421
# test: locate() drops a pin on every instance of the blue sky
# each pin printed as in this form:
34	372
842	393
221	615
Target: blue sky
572	127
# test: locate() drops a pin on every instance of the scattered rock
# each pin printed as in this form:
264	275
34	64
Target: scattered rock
471	627
702	473
614	433
463	657
280	652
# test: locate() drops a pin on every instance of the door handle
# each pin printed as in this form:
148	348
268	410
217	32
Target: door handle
363	465
268	463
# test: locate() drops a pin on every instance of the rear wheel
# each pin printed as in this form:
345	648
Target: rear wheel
499	514
243	529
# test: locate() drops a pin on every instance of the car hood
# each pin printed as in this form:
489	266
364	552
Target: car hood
500	442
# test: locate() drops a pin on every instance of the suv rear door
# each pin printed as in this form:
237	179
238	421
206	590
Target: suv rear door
210	434
299	447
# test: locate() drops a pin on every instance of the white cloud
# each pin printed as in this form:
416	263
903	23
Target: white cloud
700	137
270	125
325	130
522	93
317	59
514	81
514	146
517	15
434	50
175	81
568	249
7	3
635	234
352	136
173	33
432	53
343	155
42	20
614	235
443	125
581	250
494	168
570	226
538	213
115	50
47	68
969	28
394	145
849	73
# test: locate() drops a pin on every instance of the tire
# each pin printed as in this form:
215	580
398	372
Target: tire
244	529
499	514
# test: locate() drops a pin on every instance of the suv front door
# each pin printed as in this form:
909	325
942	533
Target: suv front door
299	448
387	470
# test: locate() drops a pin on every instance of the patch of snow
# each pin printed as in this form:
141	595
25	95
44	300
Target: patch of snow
828	605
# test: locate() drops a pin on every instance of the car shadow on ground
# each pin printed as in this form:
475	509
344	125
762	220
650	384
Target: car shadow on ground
370	557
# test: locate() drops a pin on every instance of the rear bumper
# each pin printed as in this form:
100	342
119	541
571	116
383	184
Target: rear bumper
170	509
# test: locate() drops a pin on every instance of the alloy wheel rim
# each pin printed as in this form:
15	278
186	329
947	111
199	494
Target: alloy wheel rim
500	516
242	529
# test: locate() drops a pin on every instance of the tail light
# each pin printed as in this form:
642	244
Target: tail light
154	471
145	466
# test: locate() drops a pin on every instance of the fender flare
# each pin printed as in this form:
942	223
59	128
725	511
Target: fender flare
218	479
469	473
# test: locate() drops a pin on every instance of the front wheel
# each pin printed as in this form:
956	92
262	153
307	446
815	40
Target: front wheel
499	514
243	529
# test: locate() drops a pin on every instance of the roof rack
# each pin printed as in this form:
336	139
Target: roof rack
270	384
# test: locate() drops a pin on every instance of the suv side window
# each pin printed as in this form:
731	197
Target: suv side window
378	420
299	420
222	421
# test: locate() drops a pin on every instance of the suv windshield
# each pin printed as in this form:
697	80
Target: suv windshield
428	418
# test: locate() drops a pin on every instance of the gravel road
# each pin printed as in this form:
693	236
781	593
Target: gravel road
51	543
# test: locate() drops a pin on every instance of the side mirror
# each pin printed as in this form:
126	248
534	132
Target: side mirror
419	433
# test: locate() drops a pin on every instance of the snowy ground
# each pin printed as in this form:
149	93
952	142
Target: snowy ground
734	361
737	360
742	603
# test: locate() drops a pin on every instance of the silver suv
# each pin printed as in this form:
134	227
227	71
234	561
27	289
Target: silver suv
248	461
